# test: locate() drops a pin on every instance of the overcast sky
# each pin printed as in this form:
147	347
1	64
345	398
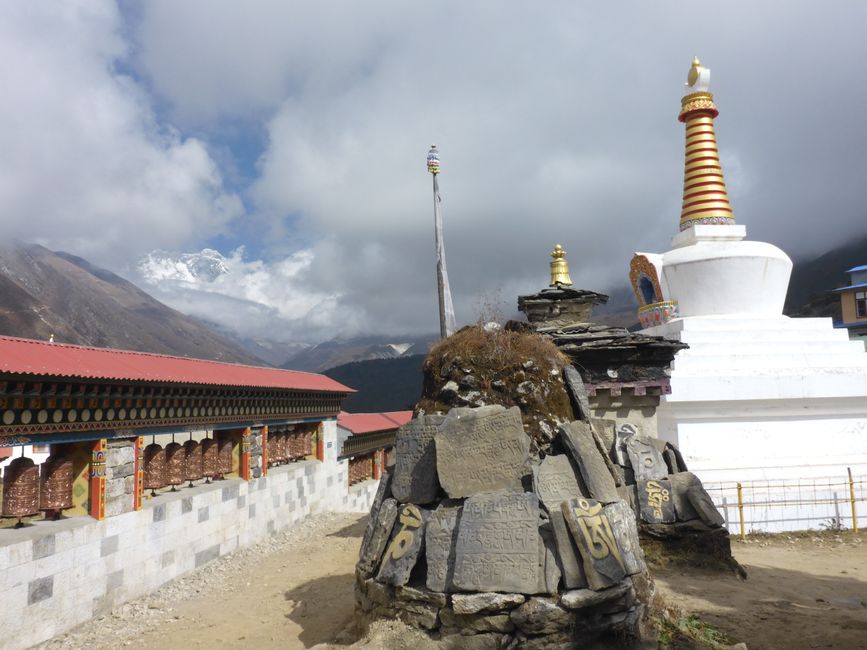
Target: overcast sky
299	131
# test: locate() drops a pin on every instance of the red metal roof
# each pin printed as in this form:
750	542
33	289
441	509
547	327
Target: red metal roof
26	356
360	423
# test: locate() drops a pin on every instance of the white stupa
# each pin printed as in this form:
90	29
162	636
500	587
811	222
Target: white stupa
758	396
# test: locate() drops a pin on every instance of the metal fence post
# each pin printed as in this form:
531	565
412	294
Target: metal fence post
741	510
852	501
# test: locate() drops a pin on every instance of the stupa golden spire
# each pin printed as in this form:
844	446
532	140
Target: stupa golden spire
559	268
705	200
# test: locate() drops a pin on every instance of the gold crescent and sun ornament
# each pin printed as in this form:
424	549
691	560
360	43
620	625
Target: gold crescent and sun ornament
559	268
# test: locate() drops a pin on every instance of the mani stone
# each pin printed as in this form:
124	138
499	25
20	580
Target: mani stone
622	520
555	482
578	391
482	449
415	469
498	543
680	483
549	569
371	551
440	536
656	504
704	506
579	442
593	534
623	432
580	598
647	462
404	548
485	602
567	555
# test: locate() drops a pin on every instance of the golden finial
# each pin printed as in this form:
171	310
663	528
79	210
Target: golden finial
693	72
559	268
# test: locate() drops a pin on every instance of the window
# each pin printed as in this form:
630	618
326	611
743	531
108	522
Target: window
861	304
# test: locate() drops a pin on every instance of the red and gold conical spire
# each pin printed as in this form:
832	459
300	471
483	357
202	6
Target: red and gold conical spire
705	200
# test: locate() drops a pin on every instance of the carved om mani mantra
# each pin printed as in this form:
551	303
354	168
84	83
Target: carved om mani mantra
410	518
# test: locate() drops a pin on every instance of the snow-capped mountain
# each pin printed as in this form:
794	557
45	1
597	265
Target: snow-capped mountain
205	266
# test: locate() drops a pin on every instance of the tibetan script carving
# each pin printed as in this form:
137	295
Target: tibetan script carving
657	506
439	541
647	462
603	564
554	480
482	449
406	543
498	543
415	470
372	550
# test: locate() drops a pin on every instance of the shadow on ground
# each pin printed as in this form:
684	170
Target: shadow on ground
353	530
324	610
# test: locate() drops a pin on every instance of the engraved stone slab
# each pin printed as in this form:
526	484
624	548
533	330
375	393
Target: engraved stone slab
554	481
415	469
622	433
680	484
645	458
567	555
657	506
440	537
704	506
578	391
482	449
592	532
498	543
579	442
622	521
606	433
371	552
382	492
405	545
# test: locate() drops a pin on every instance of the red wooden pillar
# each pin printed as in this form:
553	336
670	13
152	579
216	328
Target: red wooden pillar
265	450
377	464
97	479
138	473
320	443
245	455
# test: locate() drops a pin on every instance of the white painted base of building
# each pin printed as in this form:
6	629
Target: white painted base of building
770	400
56	575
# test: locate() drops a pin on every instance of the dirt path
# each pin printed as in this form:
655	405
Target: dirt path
803	591
295	591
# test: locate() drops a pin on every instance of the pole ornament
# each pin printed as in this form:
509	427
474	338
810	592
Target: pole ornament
433	160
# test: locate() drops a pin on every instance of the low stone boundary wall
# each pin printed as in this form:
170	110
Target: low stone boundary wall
59	574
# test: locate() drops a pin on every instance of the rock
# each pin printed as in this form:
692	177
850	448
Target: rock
420	615
481	450
579	442
554	481
594	537
404	548
627	493
654	499
646	461
680	483
498	384
382	492
605	434
571	571
670	459
412	594
528	364
469	398
415	468
526	388
549	569
498	543
469	381
476	622
449	391
580	598
485	602
474	642
704	506
541	616
578	392
622	520
371	552
440	537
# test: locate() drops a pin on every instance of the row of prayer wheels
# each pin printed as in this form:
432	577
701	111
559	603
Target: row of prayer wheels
192	461
286	446
29	488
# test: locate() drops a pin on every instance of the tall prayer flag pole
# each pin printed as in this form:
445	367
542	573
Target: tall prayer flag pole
447	309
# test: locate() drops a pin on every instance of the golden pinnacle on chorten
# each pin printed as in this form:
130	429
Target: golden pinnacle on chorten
559	268
705	199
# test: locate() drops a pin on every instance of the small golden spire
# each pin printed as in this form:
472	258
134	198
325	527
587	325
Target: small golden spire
705	199
559	268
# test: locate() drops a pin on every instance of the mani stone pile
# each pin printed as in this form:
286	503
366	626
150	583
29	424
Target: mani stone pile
482	545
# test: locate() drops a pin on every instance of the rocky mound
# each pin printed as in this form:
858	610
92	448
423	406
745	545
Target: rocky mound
478	367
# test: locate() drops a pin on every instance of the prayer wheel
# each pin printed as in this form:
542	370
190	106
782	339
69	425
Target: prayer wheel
154	467
192	461
284	445
273	452
224	456
210	464
175	457
55	491
21	488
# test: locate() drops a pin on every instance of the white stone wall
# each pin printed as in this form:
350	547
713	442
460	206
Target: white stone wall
58	574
